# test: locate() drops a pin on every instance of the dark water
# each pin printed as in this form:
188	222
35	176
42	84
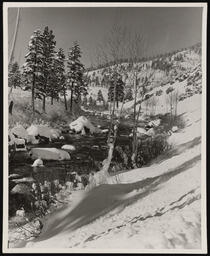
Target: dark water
90	151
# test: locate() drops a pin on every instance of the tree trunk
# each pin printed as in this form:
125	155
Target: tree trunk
32	94
51	100
71	99
44	103
134	126
65	101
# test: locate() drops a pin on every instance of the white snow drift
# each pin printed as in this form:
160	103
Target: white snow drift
49	154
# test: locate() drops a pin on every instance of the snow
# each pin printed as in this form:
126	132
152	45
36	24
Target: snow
19	131
49	154
38	163
154	207
81	123
69	147
42	130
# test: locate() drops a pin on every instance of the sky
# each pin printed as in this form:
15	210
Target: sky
164	29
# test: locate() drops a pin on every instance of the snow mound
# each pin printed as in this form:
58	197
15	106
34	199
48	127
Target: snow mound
68	147
49	154
38	162
42	130
20	132
83	125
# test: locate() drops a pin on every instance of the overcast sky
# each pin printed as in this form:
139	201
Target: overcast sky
165	29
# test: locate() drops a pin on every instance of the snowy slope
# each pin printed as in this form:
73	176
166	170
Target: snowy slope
155	207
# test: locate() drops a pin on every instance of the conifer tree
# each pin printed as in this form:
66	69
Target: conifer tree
33	67
76	81
48	65
100	96
14	76
60	77
116	88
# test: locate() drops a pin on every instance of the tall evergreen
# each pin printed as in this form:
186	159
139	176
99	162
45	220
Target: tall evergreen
48	64
116	89
60	77
14	76
33	67
75	70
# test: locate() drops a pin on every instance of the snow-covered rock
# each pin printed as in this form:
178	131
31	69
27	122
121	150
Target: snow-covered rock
151	132
20	132
20	213
174	129
105	130
82	124
38	163
69	147
49	154
41	130
154	123
61	138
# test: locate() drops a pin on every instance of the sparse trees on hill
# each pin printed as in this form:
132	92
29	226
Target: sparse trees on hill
14	76
75	74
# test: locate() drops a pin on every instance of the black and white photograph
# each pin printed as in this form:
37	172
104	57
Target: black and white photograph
104	127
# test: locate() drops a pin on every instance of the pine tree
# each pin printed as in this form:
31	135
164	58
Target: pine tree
48	65
33	67
14	76
59	71
116	88
100	96
129	95
76	81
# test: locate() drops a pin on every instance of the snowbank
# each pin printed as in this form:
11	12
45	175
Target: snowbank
49	154
82	124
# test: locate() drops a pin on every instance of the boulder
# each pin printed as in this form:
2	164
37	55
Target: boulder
42	131
154	123
174	129
19	132
68	147
38	163
151	132
49	154
83	125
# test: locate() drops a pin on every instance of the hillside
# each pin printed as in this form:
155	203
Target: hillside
182	66
148	208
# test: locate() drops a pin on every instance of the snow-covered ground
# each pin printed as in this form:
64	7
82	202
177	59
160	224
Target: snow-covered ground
155	207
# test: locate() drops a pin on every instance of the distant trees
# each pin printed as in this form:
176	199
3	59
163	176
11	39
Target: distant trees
100	96
129	95
116	89
75	71
14	76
